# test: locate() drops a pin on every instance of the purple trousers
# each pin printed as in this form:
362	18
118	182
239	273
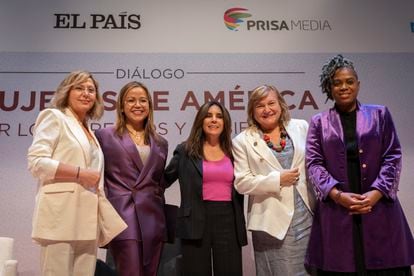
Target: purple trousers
128	257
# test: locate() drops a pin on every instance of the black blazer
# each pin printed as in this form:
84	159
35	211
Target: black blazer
191	214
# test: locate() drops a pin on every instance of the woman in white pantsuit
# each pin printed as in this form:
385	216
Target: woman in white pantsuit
68	162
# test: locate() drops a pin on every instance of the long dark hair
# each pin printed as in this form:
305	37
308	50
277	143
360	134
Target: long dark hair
195	141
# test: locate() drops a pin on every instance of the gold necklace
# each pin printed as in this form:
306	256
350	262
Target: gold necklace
137	137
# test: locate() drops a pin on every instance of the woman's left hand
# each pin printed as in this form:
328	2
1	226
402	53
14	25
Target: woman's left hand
289	177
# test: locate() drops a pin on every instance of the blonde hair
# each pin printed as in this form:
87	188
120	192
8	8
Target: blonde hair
258	94
61	98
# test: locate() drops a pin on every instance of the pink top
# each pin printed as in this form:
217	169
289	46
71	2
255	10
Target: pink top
217	179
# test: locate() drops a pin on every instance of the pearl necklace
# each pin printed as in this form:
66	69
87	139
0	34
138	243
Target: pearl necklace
282	143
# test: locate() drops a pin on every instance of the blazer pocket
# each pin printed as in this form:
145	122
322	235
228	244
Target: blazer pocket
184	212
59	188
57	206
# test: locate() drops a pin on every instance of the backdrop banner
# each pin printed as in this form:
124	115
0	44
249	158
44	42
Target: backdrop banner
179	84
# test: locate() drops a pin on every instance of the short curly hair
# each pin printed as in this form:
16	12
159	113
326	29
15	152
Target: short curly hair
328	71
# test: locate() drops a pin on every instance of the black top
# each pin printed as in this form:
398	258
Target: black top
348	121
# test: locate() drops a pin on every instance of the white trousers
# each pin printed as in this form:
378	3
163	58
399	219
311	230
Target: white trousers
69	258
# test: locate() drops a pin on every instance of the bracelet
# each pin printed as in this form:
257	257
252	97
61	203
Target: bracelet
77	173
338	196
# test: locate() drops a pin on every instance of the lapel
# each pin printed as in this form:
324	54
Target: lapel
101	159
198	164
131	150
334	124
258	145
77	132
360	122
294	135
152	158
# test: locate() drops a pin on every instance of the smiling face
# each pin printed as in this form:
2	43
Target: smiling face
344	89
136	107
267	111
213	123
82	97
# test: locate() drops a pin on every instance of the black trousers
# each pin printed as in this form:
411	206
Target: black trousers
218	250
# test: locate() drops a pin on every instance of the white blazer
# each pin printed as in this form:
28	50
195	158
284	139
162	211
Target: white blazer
64	211
257	174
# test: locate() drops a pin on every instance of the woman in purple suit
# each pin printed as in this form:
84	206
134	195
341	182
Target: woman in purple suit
353	158
135	157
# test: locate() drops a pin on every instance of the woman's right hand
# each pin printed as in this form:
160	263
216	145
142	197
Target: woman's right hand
355	203
89	179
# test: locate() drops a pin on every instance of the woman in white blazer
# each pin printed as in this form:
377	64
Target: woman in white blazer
269	167
68	162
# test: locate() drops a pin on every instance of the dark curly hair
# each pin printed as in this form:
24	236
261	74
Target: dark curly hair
328	72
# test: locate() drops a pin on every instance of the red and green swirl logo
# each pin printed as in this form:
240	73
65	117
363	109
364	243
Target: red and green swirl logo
234	16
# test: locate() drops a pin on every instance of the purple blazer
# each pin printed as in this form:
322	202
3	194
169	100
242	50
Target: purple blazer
388	241
135	190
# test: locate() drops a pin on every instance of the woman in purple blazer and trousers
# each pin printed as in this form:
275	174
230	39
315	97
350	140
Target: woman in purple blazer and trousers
353	157
135	157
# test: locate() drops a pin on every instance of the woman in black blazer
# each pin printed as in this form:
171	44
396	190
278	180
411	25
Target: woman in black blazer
210	220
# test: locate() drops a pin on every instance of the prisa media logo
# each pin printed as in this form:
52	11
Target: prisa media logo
234	16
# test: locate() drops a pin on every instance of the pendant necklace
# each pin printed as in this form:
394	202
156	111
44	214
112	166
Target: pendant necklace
136	136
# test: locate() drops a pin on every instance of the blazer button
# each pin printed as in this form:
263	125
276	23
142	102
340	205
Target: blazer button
364	166
361	151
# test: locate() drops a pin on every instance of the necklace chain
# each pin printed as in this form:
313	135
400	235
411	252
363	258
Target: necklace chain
135	135
282	141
